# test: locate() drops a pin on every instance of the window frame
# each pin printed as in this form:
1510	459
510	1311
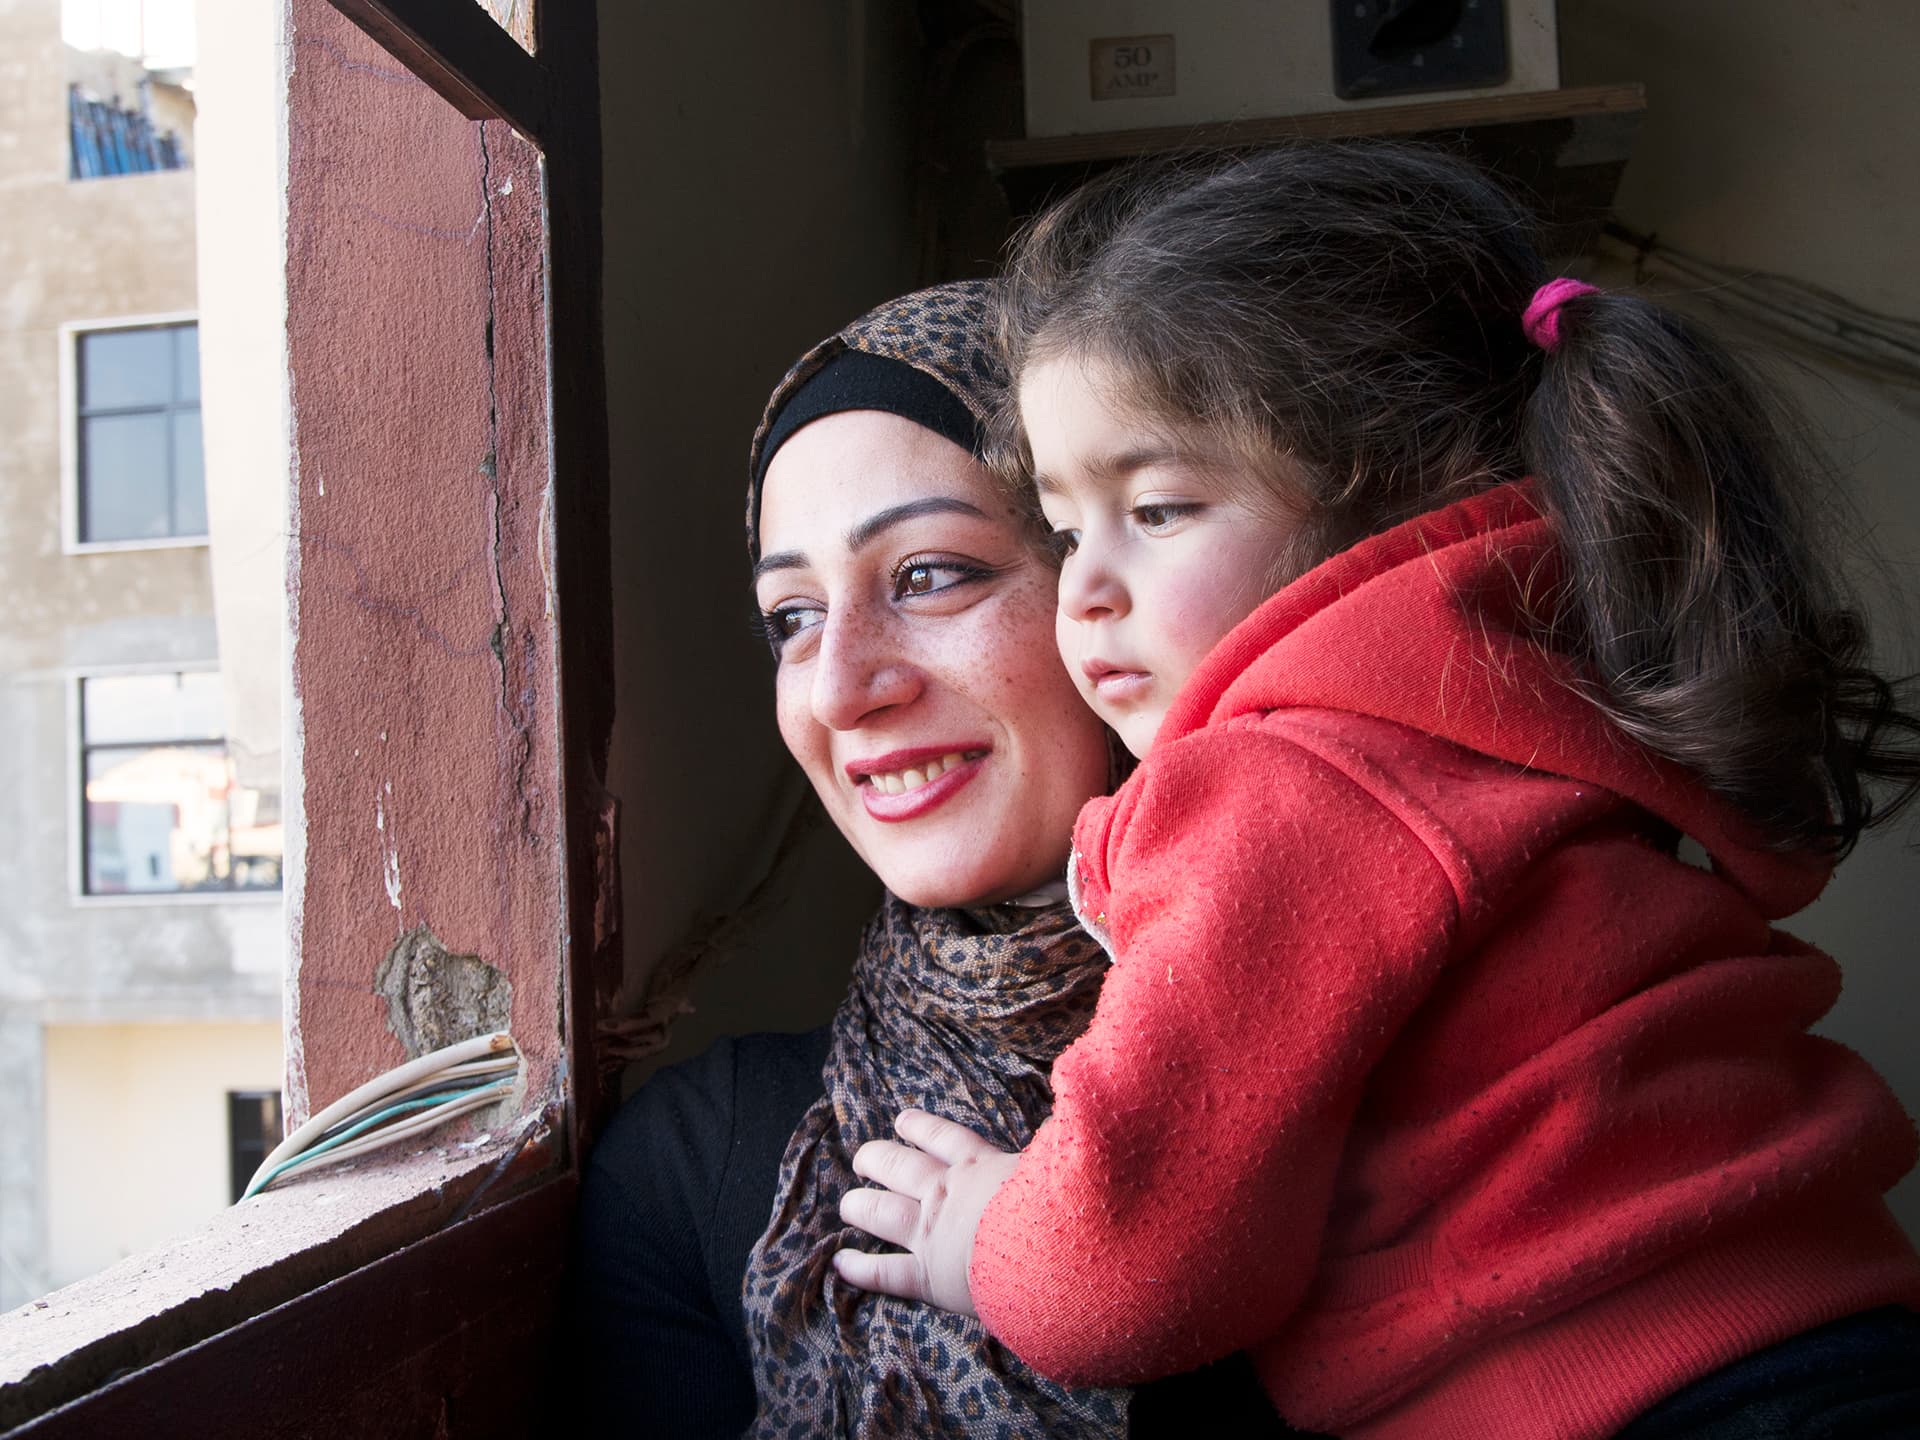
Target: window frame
239	1171
77	893
472	1234
70	334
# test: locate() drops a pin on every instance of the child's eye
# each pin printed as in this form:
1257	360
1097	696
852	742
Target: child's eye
1063	543
1160	516
913	576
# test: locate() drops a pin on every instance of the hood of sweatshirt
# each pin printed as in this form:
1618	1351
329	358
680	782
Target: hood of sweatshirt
1421	625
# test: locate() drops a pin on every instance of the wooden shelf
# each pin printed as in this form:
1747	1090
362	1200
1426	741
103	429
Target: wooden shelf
1564	149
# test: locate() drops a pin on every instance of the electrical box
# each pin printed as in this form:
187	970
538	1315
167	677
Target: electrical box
1099	65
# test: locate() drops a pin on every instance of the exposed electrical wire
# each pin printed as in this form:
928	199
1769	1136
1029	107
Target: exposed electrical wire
1885	345
408	1100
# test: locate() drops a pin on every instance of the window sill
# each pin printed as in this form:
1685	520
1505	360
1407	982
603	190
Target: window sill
186	170
255	1256
134	900
125	547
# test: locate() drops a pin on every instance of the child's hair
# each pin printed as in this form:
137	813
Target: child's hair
1345	321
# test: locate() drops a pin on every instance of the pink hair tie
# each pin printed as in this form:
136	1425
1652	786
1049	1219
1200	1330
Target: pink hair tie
1542	318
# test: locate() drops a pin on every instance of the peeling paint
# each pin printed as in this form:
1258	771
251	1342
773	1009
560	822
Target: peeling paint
298	1096
390	848
542	551
436	998
516	714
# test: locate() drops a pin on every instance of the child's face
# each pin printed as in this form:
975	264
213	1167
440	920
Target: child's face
1161	558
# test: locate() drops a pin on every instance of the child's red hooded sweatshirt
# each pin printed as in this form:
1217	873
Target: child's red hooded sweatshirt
1426	1071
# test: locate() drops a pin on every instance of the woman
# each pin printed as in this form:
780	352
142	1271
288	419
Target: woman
911	615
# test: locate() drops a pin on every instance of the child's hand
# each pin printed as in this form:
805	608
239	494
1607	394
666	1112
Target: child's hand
933	1198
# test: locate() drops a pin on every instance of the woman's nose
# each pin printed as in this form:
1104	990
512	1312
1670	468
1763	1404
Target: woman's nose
1090	585
859	672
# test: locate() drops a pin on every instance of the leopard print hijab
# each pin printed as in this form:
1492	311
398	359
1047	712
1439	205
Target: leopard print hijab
962	1013
943	332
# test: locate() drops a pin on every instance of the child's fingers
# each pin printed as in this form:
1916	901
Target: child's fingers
900	1275
882	1214
899	1167
942	1138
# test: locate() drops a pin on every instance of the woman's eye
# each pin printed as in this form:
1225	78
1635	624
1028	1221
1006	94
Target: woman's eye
785	622
930	577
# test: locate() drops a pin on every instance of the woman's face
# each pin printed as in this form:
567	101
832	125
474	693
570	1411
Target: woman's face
918	683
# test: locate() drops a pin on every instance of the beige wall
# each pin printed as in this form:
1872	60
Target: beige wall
1780	136
239	194
72	251
137	1132
758	168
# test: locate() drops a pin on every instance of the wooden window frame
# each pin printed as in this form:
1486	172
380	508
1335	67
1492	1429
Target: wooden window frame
413	1295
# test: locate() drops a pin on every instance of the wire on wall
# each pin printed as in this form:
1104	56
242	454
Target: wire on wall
1886	346
406	1101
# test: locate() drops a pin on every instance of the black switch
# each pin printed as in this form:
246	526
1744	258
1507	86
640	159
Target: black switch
1392	47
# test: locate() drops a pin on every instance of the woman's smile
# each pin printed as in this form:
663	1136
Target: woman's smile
907	784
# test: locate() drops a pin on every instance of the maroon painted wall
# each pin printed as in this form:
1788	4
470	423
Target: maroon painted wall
424	628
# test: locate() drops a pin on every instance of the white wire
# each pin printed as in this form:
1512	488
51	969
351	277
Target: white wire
480	1047
387	1135
473	1069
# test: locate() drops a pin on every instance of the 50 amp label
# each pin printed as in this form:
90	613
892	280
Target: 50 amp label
1131	67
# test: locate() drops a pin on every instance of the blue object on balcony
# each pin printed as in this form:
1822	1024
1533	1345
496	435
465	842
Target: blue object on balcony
110	139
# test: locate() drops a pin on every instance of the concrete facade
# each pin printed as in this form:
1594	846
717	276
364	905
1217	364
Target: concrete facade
104	1084
74	253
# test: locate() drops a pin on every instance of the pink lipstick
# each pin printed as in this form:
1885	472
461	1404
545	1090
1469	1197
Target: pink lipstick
907	783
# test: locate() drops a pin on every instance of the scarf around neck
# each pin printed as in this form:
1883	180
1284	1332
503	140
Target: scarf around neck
961	1013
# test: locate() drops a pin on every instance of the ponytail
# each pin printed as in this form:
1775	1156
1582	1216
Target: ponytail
1354	318
1691	589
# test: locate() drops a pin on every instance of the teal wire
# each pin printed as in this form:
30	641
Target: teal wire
425	1102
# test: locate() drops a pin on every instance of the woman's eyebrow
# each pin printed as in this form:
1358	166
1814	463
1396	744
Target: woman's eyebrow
874	525
782	560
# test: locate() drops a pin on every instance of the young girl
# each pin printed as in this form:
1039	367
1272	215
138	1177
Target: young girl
1439	603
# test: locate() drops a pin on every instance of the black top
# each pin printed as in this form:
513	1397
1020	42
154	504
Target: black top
678	1190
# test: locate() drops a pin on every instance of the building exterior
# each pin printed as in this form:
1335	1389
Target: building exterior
142	935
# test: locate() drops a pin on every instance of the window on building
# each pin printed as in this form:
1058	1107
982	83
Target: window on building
162	812
253	1128
138	463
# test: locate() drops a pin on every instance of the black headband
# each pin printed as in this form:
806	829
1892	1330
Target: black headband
857	380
